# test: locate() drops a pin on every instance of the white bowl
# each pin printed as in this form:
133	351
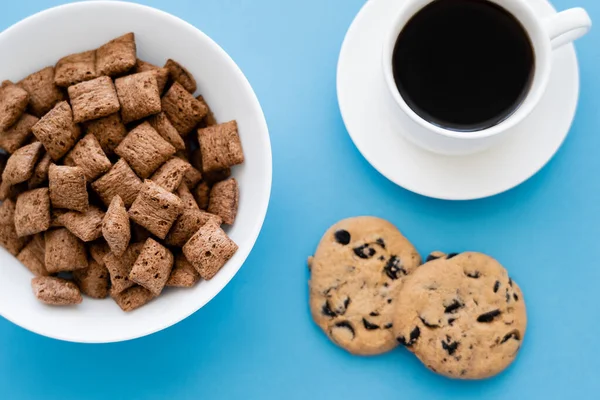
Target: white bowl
39	41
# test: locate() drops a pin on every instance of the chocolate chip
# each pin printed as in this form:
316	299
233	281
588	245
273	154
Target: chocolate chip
453	307
451	321
474	275
393	268
364	251
511	335
463	372
427	324
369	326
431	257
380	242
414	336
488	316
496	286
374	314
326	310
346	325
381	258
449	345
346	304
342	236
388	326
385	284
389	301
451	255
507	296
515	297
510	281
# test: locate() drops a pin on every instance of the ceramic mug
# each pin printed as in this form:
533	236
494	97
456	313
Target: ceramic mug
546	35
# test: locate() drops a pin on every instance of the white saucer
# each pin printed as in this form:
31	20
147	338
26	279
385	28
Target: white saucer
361	96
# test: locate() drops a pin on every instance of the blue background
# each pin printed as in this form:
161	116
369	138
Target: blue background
256	340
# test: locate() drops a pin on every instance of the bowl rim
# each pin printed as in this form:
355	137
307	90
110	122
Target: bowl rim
168	320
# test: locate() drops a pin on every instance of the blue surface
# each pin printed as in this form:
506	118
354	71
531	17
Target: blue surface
255	340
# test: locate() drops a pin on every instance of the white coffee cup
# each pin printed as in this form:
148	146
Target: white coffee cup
546	35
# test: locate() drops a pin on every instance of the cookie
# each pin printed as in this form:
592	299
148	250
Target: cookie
462	316
356	274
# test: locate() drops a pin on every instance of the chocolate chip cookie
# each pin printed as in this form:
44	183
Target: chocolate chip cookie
462	315
356	274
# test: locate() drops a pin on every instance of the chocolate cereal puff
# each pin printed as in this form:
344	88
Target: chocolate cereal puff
57	131
68	188
218	175
138	95
181	75
8	191
8	234
153	267
186	197
224	199
40	172
55	291
210	119
163	126
75	68
119	180
183	273
155	209
144	150
89	156
133	298
93	281
13	101
64	251
43	93
117	56
87	226
20	165
220	146
33	255
32	212
120	267
183	110
139	233
98	250
56	215
18	134
202	195
209	249
115	226
161	74
187	225
192	177
170	174
93	99
109	131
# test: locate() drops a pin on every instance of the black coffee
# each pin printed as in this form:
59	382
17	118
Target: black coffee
465	65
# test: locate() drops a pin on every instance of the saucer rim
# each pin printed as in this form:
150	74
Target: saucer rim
570	113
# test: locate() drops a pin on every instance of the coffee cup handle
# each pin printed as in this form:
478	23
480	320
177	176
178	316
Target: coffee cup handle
567	26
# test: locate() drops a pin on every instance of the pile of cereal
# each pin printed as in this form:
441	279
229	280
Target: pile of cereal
116	179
